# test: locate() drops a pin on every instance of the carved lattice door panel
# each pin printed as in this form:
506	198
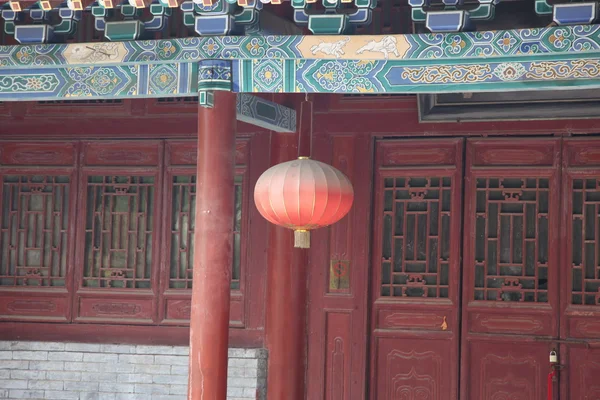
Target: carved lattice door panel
119	204
36	216
510	267
580	278
415	270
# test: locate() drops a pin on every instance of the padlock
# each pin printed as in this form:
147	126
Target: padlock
553	357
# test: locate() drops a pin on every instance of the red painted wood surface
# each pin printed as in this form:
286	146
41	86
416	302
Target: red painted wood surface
116	307
285	324
415	269
209	319
511	265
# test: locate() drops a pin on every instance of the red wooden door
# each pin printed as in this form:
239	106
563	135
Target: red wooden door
415	270
510	267
580	272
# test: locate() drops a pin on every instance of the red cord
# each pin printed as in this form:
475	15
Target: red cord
551	376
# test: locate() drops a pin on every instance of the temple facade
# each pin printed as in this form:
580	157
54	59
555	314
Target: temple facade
134	263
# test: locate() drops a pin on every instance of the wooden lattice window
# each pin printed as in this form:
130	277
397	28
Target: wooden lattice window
586	243
416	237
182	232
33	244
118	231
511	239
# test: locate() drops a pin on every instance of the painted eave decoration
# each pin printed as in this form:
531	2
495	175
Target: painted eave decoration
546	58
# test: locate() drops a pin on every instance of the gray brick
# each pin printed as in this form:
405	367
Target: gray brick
170	379
131	396
5	345
100	358
37	346
148	389
243	362
136	359
234	392
178	389
13	384
251	373
237	353
106	396
117	387
152	369
134	378
117	348
173	360
26	394
180	370
30	355
15	374
62	395
92	386
83	347
3	393
4	374
45	385
181	350
251	393
89	395
63	375
6	355
242	382
14	364
64	356
79	366
165	397
236	372
47	365
154	350
99	376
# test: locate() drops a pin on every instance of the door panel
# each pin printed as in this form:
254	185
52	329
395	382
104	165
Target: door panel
415	270
510	267
580	272
502	369
581	375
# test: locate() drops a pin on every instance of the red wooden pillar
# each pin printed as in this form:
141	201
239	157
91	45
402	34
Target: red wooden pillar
213	244
286	299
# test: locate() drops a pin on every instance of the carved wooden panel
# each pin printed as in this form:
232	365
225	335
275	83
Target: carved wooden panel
126	153
119	231
415	369
416	236
53	307
500	370
580	278
510	266
583	372
415	269
338	351
115	308
18	153
34	230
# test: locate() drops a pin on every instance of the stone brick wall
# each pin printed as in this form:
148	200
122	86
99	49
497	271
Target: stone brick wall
48	370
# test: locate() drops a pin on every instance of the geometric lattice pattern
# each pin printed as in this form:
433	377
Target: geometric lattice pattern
182	232
511	239
586	242
416	237
118	232
33	241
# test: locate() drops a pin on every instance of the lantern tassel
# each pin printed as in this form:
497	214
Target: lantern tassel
302	239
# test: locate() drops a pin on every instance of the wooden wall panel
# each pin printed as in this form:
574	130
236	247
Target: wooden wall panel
338	281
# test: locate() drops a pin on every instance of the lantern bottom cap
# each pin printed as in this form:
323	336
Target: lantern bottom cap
302	239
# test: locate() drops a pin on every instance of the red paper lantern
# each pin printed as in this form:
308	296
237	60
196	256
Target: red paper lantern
302	195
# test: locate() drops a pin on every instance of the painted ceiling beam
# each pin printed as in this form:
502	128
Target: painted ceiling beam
541	59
